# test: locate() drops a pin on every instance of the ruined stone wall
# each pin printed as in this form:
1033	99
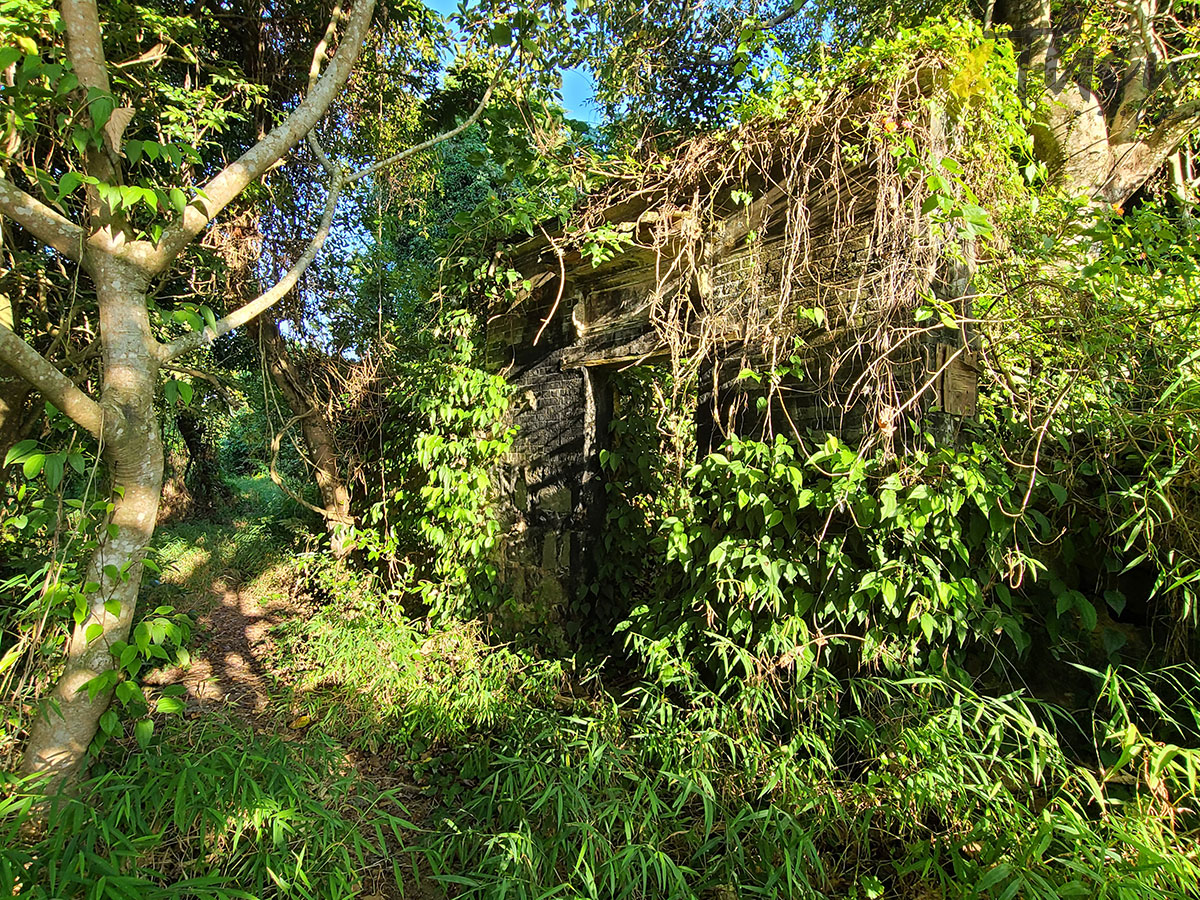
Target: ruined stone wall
551	498
541	501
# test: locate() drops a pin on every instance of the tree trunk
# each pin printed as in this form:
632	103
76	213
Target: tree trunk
133	452
122	266
1105	154
318	434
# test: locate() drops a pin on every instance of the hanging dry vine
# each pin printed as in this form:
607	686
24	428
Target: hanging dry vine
804	242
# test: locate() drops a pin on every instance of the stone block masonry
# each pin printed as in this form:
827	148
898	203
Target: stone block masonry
543	480
608	317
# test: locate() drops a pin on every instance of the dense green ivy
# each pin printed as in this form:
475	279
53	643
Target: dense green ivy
433	529
783	554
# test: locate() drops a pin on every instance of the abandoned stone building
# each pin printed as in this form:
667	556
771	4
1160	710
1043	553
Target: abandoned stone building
791	256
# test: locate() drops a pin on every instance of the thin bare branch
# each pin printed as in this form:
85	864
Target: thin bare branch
221	387
193	340
314	74
233	179
44	223
793	9
53	384
196	339
153	56
444	136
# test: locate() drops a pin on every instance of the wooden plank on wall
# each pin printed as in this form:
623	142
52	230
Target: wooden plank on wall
956	388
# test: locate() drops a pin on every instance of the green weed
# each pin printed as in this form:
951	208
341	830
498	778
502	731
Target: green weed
896	788
211	812
258	536
378	680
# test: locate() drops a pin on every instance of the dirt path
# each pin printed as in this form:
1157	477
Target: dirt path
234	668
237	581
231	663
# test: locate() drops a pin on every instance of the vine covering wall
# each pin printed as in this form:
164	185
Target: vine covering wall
774	270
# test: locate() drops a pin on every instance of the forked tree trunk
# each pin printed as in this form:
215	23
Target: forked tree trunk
319	439
133	452
1104	150
122	265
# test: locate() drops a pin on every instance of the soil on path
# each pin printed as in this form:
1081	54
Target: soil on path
231	666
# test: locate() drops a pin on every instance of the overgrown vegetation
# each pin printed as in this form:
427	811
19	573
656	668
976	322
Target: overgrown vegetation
216	812
833	639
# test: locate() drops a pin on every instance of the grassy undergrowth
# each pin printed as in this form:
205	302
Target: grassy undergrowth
495	774
211	810
253	541
946	794
920	788
379	684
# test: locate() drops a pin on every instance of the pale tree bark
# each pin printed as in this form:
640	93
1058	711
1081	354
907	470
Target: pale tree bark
1106	149
132	443
44	223
124	420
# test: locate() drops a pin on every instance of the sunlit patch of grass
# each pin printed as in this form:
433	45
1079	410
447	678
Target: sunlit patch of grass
185	567
210	811
376	681
199	557
257	496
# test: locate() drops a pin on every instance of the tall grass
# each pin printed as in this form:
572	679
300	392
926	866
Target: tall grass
377	680
214	811
255	540
878	787
881	788
534	781
920	788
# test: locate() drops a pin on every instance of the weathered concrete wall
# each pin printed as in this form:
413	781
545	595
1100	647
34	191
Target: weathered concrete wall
543	482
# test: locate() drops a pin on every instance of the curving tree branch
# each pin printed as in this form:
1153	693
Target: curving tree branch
53	384
1176	126
48	226
193	340
444	136
233	179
